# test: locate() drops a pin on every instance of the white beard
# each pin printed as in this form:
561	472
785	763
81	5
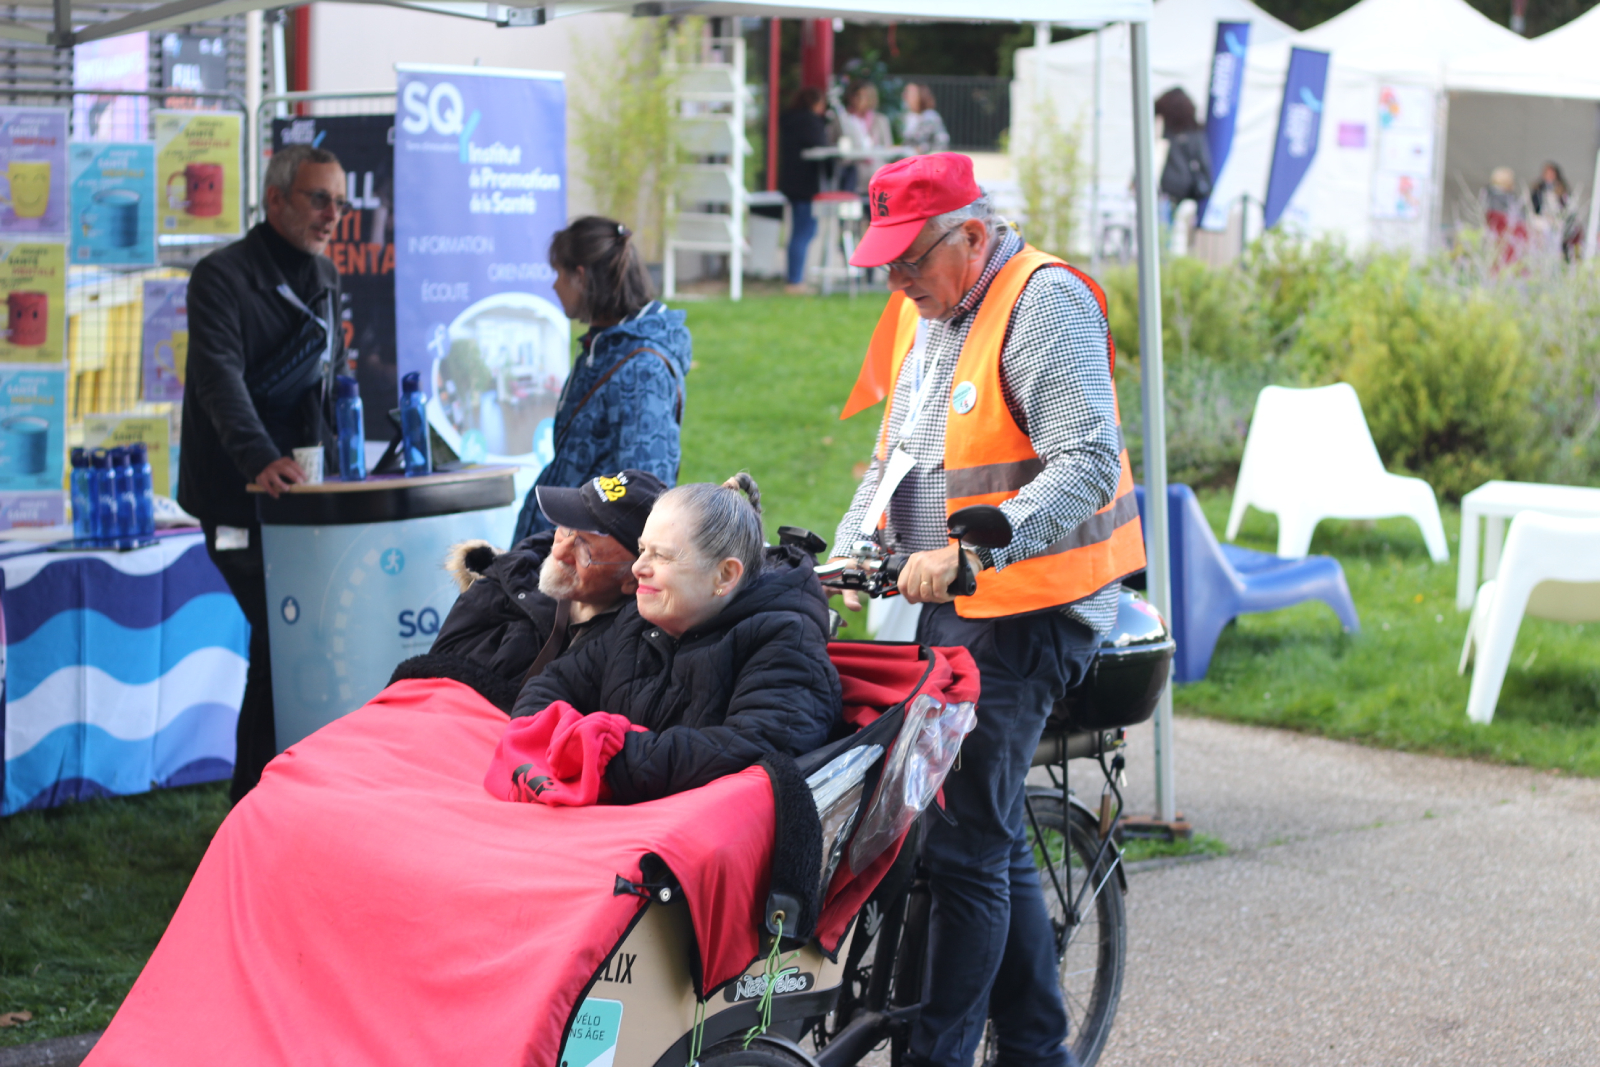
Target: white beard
557	580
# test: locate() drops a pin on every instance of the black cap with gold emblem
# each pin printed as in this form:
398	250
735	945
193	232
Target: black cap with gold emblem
615	506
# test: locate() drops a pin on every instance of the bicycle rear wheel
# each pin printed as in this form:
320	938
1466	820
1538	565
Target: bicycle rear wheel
1093	952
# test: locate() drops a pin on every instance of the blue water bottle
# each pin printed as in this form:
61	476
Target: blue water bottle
352	434
127	506
414	426
82	512
144	493
102	500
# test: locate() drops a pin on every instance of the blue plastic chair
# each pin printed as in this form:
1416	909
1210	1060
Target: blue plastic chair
1212	584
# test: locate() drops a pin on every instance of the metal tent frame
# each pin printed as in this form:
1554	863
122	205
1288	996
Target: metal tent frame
1086	14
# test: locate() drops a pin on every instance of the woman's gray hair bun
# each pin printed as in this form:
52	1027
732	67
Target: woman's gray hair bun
724	520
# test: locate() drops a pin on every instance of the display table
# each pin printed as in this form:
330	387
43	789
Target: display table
356	582
1496	502
123	671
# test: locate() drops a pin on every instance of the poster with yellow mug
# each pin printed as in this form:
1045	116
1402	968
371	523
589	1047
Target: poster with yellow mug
33	172
33	285
198	173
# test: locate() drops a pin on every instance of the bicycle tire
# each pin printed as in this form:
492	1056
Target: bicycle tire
760	1054
1092	959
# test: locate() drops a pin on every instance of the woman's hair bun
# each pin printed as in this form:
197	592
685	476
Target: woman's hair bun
746	485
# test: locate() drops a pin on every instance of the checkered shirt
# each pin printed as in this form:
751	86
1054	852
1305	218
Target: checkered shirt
1053	369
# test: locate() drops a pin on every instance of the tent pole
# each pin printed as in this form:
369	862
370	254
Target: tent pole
1151	372
1094	163
1591	240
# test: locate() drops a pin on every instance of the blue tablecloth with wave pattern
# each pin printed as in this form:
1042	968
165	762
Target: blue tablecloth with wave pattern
123	672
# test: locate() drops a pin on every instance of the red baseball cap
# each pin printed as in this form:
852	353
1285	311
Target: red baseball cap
906	194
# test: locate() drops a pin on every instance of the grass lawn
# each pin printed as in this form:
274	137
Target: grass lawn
85	890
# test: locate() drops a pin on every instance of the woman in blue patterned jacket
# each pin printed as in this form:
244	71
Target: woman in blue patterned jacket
623	401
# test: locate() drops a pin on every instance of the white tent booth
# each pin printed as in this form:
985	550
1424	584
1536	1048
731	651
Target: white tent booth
1075	77
1523	106
1377	176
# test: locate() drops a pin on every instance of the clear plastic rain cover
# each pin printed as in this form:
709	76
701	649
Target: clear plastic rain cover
922	754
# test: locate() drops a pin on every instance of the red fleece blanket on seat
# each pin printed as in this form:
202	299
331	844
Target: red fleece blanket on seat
370	903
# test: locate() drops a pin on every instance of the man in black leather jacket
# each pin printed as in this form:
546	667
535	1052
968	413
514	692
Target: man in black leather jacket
264	343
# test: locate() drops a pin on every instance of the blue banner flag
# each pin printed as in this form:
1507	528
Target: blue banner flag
1299	126
1222	109
480	180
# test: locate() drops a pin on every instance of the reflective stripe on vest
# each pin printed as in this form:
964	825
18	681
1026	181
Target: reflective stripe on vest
988	459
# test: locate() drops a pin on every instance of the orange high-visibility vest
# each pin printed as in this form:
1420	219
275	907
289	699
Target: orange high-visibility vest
988	458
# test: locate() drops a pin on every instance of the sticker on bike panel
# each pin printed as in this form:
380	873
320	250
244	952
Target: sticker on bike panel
592	1041
963	397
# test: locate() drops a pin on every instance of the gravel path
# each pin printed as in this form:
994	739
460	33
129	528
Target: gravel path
1377	908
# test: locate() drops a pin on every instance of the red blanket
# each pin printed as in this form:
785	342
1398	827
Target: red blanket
370	903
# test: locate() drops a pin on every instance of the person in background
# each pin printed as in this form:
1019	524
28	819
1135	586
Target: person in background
1549	194
799	179
924	130
864	127
1187	173
264	342
1501	204
623	402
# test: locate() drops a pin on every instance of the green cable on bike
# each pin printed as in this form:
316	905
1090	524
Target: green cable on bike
764	1005
697	1034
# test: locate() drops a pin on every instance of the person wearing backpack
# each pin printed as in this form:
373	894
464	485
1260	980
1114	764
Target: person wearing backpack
623	402
1187	174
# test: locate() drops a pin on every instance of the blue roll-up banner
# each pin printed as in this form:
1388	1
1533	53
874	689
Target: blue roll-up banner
1299	126
1222	110
479	189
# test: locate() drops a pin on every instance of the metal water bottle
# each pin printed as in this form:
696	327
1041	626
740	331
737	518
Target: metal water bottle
414	426
82	510
352	434
144	493
127	505
102	499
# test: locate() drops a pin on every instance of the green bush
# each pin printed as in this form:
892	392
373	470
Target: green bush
1439	371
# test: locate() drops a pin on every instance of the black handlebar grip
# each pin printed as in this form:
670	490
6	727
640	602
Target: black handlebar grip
891	569
966	582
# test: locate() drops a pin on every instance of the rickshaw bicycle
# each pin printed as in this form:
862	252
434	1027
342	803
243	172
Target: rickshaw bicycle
868	993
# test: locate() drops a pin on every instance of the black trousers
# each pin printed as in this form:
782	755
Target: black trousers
991	951
256	737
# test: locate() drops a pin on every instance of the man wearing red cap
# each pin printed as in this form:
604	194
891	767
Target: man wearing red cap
996	359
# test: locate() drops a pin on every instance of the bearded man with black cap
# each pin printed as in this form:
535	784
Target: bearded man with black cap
557	589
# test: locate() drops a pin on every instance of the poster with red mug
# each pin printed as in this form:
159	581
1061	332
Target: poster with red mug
199	173
33	284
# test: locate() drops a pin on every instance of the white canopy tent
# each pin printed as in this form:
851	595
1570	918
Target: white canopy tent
1377	175
1074	75
1523	106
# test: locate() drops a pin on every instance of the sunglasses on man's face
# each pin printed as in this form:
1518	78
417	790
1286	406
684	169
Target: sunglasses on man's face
321	200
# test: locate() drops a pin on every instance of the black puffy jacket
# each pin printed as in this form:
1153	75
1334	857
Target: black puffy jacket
502	620
754	680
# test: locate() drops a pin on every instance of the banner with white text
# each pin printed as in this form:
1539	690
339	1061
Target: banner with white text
479	189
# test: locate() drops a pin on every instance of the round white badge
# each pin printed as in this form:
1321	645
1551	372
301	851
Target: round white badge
963	397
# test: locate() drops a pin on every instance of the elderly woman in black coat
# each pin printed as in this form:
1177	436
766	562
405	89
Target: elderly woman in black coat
723	658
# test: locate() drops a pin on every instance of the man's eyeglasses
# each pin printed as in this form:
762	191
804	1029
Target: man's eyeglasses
321	201
585	556
913	268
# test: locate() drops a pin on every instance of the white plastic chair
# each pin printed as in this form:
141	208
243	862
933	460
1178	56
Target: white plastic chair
1551	570
1310	457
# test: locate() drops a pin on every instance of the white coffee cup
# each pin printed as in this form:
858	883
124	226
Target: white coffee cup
310	460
